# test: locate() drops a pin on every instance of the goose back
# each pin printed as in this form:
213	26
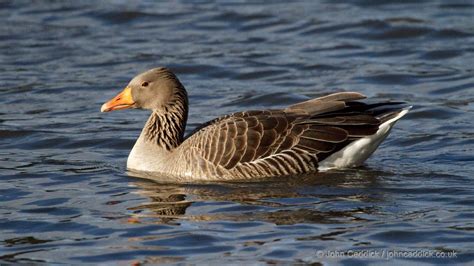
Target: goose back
269	143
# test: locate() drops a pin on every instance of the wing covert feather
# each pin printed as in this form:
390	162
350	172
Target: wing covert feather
283	141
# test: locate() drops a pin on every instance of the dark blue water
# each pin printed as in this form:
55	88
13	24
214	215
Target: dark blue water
65	195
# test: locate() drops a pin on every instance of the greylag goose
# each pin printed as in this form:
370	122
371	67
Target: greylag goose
334	131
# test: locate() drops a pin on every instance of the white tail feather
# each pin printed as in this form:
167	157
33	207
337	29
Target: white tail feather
358	151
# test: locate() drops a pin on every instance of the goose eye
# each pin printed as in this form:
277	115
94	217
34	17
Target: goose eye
145	84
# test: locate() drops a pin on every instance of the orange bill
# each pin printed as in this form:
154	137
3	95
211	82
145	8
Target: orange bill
123	100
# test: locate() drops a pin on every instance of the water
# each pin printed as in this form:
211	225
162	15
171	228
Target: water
65	195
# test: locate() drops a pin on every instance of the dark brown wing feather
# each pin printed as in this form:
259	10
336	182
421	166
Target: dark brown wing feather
286	141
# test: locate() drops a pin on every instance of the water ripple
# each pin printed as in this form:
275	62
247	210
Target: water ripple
66	197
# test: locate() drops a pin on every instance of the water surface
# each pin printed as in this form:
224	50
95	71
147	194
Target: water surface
65	195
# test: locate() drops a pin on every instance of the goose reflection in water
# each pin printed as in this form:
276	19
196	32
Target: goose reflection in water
336	197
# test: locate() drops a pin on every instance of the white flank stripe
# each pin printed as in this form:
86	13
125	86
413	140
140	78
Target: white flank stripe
358	151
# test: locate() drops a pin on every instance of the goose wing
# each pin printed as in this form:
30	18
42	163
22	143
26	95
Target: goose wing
282	142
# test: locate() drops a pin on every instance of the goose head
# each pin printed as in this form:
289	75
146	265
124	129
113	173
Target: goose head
153	90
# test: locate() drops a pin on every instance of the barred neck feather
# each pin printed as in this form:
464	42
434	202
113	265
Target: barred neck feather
166	126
